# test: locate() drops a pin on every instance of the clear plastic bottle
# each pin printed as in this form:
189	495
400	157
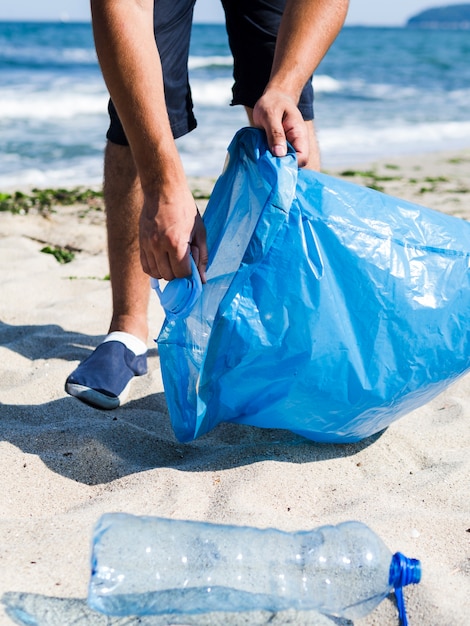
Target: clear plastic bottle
150	565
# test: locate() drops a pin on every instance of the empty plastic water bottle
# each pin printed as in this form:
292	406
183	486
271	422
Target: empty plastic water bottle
180	294
149	565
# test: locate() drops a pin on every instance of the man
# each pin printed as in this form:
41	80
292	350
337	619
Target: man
152	221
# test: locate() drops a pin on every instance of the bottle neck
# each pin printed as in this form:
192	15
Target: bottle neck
403	571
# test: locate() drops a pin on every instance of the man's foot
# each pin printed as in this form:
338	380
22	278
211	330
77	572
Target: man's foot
103	379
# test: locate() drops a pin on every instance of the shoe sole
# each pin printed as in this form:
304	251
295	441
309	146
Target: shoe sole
95	398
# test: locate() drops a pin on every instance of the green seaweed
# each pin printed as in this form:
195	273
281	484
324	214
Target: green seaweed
62	255
43	200
103	278
372	179
436	179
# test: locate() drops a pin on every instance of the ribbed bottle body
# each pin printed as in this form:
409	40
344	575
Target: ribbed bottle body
146	565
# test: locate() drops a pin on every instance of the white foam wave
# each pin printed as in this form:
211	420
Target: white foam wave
361	89
387	91
88	172
50	105
212	92
388	101
198	62
349	144
203	152
323	83
47	56
66	101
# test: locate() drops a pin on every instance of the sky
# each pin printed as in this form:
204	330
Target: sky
361	12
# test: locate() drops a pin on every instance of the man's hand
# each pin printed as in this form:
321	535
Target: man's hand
171	229
278	114
307	30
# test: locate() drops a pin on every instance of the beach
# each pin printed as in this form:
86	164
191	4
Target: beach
64	464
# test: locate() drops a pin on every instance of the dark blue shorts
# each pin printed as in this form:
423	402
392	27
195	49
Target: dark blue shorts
252	27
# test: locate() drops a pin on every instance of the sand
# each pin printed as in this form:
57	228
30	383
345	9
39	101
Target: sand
63	463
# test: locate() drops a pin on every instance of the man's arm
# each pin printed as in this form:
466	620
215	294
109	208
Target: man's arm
129	59
124	39
307	30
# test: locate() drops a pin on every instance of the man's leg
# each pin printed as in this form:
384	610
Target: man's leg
314	159
104	378
124	200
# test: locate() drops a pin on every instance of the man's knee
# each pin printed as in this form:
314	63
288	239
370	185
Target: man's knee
314	160
119	162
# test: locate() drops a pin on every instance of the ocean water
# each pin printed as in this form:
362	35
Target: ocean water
379	92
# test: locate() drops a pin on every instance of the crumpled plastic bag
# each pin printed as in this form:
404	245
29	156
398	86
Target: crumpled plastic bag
330	309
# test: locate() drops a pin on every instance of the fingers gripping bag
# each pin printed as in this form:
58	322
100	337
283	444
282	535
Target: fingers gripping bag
330	309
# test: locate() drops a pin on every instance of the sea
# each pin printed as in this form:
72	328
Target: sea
379	92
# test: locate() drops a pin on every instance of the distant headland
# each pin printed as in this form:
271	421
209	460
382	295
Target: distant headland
456	16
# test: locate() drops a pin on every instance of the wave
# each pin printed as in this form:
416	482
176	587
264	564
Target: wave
348	144
86	172
51	96
323	83
203	152
212	93
413	101
198	62
50	105
65	101
46	57
50	57
359	89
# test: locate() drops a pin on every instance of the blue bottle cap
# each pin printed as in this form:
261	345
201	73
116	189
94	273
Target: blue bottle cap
180	294
403	571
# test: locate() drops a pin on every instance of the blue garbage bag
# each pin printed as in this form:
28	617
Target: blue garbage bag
330	309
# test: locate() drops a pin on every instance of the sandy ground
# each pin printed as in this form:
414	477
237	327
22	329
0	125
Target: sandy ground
63	463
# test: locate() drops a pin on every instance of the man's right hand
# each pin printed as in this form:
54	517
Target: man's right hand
170	229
